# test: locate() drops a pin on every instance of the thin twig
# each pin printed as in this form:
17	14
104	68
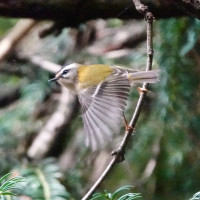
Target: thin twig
119	153
41	62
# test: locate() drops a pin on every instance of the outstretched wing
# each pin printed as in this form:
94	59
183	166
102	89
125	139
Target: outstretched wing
102	109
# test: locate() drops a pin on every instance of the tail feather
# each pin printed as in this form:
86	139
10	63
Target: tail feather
144	76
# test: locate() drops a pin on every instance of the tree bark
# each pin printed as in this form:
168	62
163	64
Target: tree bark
74	12
192	7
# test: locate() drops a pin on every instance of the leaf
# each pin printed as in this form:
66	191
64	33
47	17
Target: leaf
196	196
9	184
5	176
42	181
130	196
9	193
121	190
116	195
98	196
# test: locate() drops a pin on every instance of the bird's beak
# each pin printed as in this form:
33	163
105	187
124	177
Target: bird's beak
53	79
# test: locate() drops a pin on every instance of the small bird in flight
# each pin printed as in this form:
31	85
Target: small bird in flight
102	92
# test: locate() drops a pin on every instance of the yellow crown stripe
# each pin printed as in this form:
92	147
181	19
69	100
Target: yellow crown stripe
92	75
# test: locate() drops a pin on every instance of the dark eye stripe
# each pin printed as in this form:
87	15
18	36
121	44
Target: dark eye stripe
65	71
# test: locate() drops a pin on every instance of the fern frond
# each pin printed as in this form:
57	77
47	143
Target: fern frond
196	196
8	185
119	194
42	182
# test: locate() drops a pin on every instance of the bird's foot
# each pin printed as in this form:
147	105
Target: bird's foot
127	126
130	128
141	90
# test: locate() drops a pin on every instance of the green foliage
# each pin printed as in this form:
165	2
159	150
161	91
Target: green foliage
16	120
42	182
196	196
119	194
168	125
6	24
177	103
7	186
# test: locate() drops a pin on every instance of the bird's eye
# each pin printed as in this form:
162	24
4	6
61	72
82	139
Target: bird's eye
65	71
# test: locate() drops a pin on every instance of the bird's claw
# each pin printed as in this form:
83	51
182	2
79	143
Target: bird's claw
127	126
130	128
141	90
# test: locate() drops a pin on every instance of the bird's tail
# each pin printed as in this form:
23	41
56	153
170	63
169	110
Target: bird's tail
144	76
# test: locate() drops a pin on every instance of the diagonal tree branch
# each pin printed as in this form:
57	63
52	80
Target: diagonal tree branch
39	61
45	139
14	36
48	134
119	153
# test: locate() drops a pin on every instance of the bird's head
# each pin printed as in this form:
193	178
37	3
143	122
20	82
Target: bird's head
67	76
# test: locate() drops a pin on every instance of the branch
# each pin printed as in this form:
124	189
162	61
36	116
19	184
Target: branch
45	64
119	153
188	6
14	36
47	136
110	40
73	13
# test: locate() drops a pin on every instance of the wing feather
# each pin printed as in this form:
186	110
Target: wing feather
102	109
92	137
98	128
111	101
96	122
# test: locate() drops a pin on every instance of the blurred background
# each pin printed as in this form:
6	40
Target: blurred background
41	132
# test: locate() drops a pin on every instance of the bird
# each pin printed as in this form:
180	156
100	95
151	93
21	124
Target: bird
102	91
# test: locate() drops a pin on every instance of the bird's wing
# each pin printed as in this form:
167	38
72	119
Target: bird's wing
102	109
